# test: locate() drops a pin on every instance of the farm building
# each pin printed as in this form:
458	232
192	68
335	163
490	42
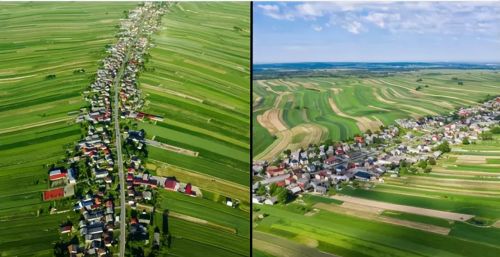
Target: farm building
57	174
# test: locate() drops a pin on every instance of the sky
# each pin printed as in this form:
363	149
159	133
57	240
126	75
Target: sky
376	32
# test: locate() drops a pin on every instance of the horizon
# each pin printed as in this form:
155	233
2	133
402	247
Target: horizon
388	62
453	32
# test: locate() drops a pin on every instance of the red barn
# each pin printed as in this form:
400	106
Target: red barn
57	174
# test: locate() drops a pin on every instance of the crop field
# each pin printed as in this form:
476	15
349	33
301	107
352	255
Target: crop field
38	111
206	226
352	228
341	107
197	78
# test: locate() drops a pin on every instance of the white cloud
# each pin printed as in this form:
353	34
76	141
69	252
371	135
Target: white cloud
354	27
317	28
275	12
448	18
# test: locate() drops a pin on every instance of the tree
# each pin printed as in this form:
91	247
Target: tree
418	88
261	190
432	161
428	169
444	147
486	135
495	130
273	189
422	164
466	141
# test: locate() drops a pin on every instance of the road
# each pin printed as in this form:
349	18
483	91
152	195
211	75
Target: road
118	143
119	155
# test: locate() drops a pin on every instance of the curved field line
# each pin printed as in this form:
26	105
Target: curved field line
363	123
422	93
314	134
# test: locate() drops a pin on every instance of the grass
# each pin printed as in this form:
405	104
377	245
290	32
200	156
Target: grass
198	78
417	218
382	98
37	113
352	236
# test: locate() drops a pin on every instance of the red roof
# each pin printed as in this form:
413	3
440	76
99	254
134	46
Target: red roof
188	189
57	176
281	183
53	194
170	184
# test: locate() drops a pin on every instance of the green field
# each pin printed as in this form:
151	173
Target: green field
42	39
229	236
446	188
197	77
365	102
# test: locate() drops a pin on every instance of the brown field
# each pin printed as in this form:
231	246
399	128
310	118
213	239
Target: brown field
405	208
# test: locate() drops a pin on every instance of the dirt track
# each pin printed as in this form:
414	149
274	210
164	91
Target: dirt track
405	208
32	125
373	213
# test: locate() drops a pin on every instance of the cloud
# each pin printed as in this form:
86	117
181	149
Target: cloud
354	27
275	12
448	18
381	19
317	28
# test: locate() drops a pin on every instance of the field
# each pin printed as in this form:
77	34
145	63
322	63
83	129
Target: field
38	112
204	225
462	184
340	107
197	77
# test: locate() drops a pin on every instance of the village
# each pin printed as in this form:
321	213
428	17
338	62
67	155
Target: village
410	145
92	177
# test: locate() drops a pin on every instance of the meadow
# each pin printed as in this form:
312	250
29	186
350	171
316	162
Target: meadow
38	110
319	222
207	226
341	107
197	78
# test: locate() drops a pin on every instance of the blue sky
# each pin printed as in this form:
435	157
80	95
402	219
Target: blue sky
376	31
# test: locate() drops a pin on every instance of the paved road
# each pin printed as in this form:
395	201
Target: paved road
120	158
118	144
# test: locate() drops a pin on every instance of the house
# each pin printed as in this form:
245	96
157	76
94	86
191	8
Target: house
147	195
257	199
57	174
229	202
273	172
362	175
271	200
320	190
171	184
65	229
71	176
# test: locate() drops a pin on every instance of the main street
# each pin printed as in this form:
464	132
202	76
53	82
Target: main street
118	143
